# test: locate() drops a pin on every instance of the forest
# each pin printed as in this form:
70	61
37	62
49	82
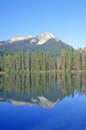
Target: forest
69	60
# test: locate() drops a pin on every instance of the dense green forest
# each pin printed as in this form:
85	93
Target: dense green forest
69	60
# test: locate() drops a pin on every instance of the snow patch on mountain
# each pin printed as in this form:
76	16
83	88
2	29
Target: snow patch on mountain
15	38
45	37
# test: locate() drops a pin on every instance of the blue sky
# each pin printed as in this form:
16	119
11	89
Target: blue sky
66	19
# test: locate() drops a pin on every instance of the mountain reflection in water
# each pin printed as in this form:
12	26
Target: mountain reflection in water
45	89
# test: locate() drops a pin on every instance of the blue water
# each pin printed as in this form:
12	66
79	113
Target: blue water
68	114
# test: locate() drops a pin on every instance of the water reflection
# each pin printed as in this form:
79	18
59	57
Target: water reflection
45	89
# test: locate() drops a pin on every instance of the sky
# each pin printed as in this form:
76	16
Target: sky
66	19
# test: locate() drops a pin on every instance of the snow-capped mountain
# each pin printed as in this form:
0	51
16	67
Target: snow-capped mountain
43	42
39	40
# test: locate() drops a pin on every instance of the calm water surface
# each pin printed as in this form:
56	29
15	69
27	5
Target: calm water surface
43	102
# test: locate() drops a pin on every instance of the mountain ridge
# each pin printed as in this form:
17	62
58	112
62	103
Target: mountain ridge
44	36
43	42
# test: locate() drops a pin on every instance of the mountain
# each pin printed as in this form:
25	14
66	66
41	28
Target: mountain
45	99
43	42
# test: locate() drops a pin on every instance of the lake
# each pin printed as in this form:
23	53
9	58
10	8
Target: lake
45	101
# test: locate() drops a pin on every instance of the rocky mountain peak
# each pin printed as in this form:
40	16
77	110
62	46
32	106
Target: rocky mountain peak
45	37
47	34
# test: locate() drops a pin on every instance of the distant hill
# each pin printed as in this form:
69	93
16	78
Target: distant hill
43	42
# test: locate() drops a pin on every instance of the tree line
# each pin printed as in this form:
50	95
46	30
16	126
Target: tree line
69	60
